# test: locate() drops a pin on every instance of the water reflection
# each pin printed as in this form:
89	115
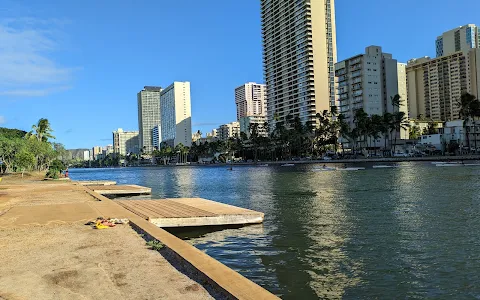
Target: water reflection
331	270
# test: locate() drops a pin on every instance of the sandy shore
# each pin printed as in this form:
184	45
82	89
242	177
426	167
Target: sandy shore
46	251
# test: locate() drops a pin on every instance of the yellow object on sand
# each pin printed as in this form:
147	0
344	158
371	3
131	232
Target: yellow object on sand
99	225
0	179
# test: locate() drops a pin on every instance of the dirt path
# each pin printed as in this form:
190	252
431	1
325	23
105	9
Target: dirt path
66	259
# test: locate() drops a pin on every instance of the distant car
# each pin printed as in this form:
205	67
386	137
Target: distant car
327	158
400	154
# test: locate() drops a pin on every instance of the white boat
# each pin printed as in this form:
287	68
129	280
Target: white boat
350	169
449	165
264	165
288	165
446	163
384	167
471	165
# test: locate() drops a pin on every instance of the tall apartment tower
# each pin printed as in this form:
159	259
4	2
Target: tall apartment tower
462	38
148	115
176	114
251	100
299	54
369	81
434	86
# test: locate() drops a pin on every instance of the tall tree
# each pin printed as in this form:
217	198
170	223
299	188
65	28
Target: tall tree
400	122
42	130
465	104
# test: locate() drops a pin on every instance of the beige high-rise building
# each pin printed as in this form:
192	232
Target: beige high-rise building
96	152
434	86
299	53
148	116
251	100
462	38
125	142
176	115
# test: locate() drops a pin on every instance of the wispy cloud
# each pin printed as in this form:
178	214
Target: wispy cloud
27	68
2	120
34	93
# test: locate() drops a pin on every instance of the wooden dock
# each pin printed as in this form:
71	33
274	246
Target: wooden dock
191	212
96	182
120	190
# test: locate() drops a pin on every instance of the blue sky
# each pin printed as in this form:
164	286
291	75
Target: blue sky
81	63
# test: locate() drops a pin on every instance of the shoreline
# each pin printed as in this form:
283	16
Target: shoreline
306	162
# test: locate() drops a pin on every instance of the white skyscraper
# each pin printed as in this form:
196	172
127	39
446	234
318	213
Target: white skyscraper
148	115
251	100
369	81
176	115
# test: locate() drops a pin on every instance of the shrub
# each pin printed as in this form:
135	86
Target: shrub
155	245
55	169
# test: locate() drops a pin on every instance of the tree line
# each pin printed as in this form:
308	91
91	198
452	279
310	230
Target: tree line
22	151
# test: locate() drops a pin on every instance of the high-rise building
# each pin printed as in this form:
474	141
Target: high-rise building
97	152
299	53
369	81
212	134
251	100
125	142
462	38
148	115
196	136
434	86
157	136
86	155
176	115
246	122
230	130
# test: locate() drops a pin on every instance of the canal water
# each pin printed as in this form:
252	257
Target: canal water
409	232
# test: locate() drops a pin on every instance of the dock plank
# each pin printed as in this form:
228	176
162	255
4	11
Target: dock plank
120	189
190	212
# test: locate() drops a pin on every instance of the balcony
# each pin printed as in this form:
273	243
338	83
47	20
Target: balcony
357	87
355	61
356	74
358	93
342	90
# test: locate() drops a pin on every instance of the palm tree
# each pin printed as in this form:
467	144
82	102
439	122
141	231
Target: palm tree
360	120
475	108
400	121
466	113
42	131
414	133
343	130
376	123
386	127
396	102
254	137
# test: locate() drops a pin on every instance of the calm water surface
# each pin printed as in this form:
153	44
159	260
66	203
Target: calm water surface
406	233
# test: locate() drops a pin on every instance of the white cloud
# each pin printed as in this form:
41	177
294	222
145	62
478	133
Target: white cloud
2	120
27	68
34	93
